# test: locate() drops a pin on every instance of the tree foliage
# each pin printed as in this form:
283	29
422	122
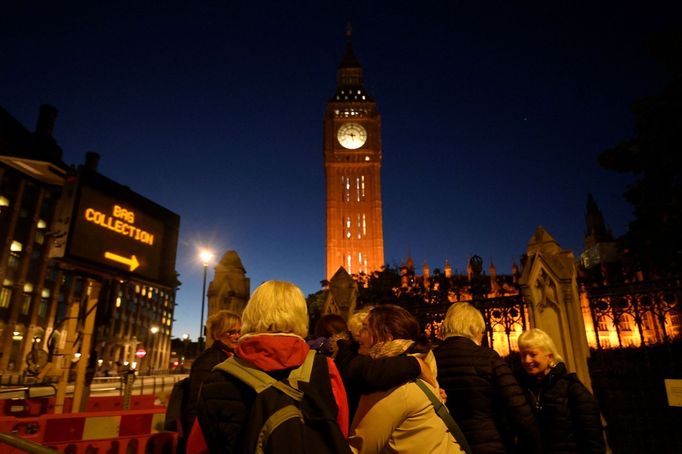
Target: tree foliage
653	241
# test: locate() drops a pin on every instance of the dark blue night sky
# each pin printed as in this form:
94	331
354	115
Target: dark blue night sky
493	115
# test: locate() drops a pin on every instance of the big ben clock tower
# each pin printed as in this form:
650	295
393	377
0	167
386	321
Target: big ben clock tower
352	163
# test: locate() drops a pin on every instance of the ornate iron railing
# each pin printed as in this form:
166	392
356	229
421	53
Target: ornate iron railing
655	308
503	317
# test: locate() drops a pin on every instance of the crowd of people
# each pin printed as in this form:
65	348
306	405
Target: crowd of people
375	384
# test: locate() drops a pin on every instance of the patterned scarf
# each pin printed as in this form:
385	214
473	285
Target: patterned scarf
397	347
393	347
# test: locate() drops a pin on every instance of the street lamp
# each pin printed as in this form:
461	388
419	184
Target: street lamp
206	257
152	346
185	341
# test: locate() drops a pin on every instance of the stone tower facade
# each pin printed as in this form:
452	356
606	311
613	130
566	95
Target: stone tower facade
352	162
230	288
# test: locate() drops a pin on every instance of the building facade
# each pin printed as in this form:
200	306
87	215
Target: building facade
352	162
46	298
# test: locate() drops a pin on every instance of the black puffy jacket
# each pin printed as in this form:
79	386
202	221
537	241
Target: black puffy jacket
225	403
568	414
485	399
201	369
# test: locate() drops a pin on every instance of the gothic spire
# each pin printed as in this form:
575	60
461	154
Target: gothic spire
594	220
349	81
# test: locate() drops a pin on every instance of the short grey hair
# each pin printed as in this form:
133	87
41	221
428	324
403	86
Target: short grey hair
463	319
537	338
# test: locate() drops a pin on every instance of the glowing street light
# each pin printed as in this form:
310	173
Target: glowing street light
206	257
185	341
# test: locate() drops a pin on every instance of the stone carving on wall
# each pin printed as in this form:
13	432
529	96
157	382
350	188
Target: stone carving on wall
548	291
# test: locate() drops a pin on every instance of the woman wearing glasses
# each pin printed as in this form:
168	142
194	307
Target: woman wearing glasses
222	330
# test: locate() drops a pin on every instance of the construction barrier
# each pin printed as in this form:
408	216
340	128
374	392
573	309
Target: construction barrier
41	405
122	431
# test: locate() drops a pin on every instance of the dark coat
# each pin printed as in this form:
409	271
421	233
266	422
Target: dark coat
485	399
568	414
225	405
201	369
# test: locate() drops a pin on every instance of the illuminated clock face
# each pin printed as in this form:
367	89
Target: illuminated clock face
352	136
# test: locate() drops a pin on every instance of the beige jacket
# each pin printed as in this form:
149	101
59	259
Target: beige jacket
401	420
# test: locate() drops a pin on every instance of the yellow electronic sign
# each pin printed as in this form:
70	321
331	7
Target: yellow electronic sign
111	225
113	222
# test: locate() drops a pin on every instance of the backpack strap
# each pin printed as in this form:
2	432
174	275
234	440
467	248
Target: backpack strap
260	381
444	414
244	371
302	373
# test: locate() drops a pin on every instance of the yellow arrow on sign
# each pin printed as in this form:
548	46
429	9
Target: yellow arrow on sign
131	262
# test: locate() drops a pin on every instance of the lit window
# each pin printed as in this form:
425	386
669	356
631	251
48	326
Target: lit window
16	246
42	224
45	293
362	178
4	202
363	96
364	224
42	311
366	158
118	301
28	287
5	296
348	260
13	262
25	304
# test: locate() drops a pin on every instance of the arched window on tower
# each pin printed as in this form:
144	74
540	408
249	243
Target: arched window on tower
345	183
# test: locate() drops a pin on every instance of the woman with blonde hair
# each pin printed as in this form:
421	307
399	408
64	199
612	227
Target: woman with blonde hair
402	419
272	344
486	401
568	414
